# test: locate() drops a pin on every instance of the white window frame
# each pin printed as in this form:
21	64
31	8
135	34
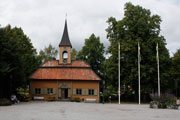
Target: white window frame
91	92
78	91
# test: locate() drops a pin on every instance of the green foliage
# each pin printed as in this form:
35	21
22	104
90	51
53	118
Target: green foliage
18	60
51	99
49	53
93	53
22	91
110	92
163	101
138	25
74	54
76	99
5	102
175	73
24	97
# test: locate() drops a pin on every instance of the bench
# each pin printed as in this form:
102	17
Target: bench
38	98
91	100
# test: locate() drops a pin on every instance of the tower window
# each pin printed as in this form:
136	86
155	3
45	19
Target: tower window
65	56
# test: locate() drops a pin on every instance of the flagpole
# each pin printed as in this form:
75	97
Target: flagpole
119	69
139	73
159	92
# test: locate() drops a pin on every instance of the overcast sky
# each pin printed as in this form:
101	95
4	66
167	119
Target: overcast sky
43	20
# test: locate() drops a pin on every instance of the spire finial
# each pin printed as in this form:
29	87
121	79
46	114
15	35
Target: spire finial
66	16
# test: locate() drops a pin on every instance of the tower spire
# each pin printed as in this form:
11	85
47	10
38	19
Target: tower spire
65	37
65	47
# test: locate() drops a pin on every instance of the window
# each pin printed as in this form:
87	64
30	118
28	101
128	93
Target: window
37	90
65	57
50	91
78	91
91	92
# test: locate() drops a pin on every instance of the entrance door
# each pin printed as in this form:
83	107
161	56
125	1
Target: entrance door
64	93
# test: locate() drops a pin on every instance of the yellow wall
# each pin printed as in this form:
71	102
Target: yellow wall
71	84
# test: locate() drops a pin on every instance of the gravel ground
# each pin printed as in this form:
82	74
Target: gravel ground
41	110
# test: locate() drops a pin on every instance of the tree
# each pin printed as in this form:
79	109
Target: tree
74	54
30	59
175	73
93	53
49	53
138	25
18	60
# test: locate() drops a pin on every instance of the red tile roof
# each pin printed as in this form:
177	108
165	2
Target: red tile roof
78	70
55	63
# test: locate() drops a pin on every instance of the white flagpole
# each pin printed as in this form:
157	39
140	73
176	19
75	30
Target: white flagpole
157	55
119	69
139	73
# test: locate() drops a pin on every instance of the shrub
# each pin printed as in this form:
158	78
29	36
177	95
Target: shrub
110	92
164	101
75	100
5	102
154	104
72	100
50	99
24	97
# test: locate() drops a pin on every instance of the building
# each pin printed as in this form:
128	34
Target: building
65	78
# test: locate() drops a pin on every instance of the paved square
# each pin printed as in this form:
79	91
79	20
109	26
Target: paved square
39	110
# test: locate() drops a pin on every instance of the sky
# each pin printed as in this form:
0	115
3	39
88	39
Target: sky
43	20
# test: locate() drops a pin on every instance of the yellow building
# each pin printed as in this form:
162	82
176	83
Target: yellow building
65	79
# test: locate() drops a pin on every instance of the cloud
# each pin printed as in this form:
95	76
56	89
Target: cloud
43	20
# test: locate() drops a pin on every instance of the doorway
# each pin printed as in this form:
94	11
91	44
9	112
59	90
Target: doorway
64	93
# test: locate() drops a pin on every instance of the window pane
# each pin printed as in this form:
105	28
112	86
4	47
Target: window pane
76	91
92	91
89	93
80	92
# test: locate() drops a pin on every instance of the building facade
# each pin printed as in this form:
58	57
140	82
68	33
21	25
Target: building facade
65	79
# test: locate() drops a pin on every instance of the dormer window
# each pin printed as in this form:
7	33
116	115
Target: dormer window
65	56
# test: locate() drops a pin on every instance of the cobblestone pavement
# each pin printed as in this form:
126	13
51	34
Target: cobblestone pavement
42	110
